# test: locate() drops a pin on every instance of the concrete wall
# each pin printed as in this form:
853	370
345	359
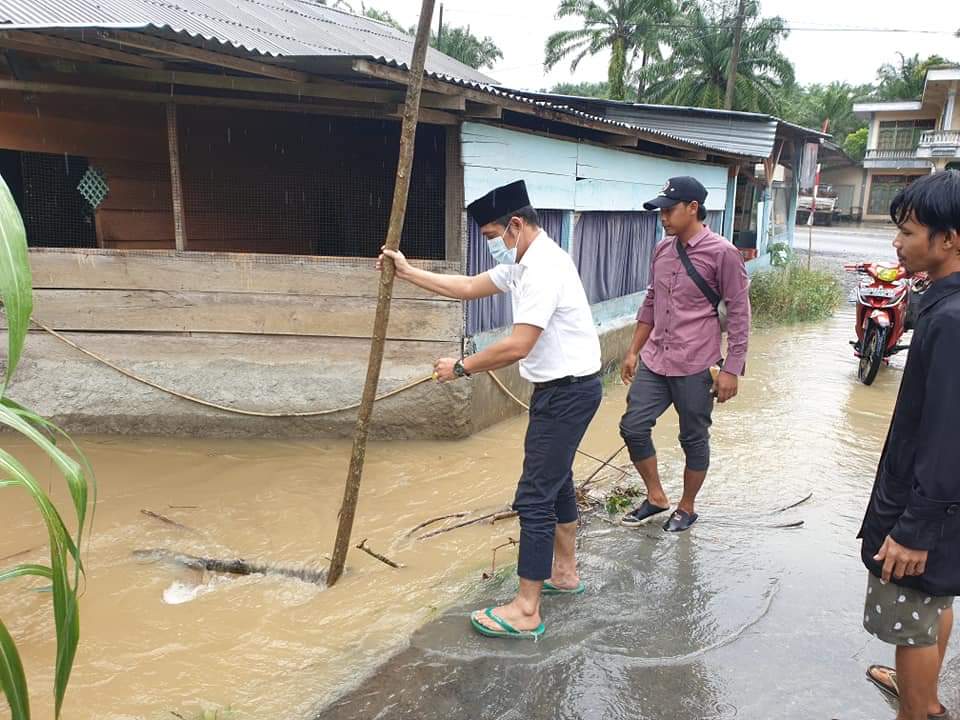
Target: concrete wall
265	333
847	175
260	373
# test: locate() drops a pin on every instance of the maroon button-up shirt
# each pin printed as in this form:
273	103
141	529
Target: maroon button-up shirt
685	339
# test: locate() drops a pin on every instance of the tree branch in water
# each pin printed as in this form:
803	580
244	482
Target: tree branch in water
493	565
385	560
492	517
231	567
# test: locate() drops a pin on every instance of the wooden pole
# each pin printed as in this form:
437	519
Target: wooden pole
176	186
408	134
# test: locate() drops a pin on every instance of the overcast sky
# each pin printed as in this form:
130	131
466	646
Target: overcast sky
521	27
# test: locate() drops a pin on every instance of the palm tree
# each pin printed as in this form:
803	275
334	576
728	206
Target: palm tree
627	28
695	73
461	44
831	104
381	16
906	80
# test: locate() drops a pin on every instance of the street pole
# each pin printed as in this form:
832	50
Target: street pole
735	55
408	133
810	218
440	27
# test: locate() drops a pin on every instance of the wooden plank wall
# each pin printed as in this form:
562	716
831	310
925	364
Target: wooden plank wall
97	291
493	157
138	212
609	179
253	181
566	175
125	140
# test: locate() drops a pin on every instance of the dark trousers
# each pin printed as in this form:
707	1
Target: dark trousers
559	417
649	397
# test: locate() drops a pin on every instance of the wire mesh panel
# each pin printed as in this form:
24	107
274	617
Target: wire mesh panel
297	184
46	189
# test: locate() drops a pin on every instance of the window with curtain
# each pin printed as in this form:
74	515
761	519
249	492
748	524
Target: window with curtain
903	134
613	251
496	312
714	221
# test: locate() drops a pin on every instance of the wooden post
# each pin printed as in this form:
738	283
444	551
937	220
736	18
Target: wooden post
408	135
176	186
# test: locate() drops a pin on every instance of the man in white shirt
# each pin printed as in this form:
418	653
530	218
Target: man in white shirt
556	343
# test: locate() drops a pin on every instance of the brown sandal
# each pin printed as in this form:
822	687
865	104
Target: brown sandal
893	690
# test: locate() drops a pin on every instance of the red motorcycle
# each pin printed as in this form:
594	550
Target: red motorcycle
886	308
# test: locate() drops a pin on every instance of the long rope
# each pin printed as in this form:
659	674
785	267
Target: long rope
282	414
214	405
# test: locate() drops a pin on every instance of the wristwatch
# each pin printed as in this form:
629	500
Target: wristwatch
459	370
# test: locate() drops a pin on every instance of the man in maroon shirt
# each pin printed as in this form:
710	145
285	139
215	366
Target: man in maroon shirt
698	280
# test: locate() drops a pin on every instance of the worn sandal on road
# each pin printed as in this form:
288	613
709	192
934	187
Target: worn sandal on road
507	630
550	589
891	688
642	514
680	521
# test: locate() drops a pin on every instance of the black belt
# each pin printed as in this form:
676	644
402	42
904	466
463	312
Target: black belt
568	380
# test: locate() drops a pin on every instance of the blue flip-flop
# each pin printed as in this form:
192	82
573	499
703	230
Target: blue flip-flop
507	630
550	589
680	521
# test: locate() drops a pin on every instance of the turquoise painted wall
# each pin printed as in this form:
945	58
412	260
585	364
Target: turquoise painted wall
563	174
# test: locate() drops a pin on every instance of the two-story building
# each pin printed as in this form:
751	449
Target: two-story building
907	139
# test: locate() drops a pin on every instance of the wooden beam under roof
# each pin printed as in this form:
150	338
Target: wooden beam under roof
315	88
189	52
41	44
390	111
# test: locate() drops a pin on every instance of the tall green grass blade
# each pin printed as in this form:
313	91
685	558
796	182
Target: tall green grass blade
16	294
13	682
62	547
16	289
26	570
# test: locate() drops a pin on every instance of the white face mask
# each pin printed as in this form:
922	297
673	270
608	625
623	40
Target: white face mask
501	253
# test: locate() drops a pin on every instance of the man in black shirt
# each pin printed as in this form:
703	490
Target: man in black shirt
911	531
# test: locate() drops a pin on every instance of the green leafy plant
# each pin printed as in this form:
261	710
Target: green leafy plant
622	498
65	569
780	254
855	145
794	294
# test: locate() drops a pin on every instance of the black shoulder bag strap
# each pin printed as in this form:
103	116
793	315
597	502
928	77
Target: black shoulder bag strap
708	292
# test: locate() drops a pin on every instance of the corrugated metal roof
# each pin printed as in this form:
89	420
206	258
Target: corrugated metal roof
297	29
282	28
727	131
748	136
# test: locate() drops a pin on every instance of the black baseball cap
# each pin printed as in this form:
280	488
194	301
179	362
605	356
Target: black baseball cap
678	190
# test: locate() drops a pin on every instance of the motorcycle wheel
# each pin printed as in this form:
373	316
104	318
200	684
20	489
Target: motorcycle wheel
874	345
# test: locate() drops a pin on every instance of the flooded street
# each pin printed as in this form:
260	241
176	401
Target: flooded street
735	619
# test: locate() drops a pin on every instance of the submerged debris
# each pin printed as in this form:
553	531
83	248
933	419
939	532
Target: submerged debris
231	567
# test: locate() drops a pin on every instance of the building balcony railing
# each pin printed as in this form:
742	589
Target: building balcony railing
939	144
895	159
890	155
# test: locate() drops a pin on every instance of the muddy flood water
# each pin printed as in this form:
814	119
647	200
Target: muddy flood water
735	619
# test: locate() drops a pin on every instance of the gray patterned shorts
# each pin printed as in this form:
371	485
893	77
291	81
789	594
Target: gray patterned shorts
902	616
